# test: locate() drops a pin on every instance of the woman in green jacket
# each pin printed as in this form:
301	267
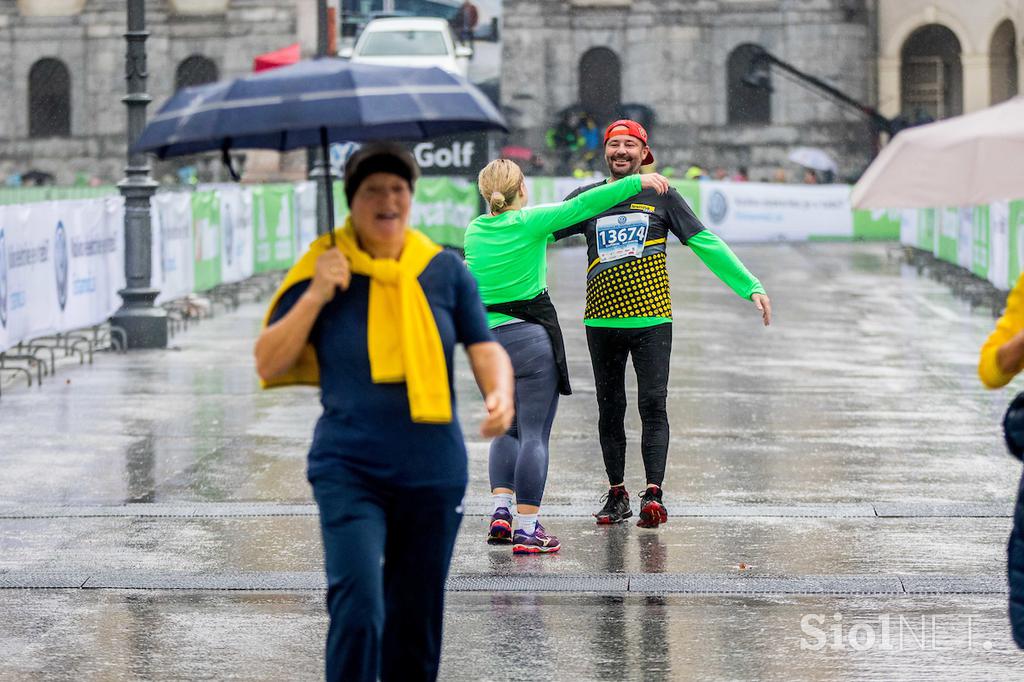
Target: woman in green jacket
506	252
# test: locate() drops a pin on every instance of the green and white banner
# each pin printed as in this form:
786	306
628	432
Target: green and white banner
442	208
206	239
985	240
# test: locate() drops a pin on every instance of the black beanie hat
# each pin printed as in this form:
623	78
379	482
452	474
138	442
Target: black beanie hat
379	157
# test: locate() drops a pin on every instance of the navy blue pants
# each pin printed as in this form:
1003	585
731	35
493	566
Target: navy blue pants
519	459
1015	568
386	562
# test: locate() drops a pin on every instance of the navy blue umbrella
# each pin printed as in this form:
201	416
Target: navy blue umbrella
314	103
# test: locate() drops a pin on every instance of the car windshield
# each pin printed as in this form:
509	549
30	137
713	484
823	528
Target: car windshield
404	43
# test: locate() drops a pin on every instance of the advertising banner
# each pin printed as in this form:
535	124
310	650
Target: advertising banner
305	216
206	239
28	275
1016	239
881	225
61	266
273	243
758	212
88	257
999	244
173	254
452	155
965	238
443	207
947	234
236	252
908	226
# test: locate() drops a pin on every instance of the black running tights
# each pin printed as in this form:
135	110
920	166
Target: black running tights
650	348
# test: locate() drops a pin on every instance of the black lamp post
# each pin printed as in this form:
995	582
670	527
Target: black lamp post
144	323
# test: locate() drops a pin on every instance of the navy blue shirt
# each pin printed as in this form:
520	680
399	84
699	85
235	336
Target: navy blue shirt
365	426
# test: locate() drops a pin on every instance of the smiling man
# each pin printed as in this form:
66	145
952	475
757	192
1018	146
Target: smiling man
629	312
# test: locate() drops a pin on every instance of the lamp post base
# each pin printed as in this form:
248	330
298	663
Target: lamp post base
144	324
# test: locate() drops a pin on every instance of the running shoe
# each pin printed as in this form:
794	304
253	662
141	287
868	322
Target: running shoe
500	532
652	511
616	506
537	543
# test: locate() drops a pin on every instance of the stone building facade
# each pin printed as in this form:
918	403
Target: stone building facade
63	62
945	57
685	60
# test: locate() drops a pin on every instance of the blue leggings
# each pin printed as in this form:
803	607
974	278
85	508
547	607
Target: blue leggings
519	459
385	619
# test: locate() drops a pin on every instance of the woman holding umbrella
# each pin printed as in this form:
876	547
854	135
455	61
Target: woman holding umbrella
374	323
506	252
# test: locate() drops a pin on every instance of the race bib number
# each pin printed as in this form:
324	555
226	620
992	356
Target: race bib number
621	236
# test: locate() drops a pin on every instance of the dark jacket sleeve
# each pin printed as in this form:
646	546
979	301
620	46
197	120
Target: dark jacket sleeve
681	219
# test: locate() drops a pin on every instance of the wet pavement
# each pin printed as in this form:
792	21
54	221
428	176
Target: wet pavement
839	493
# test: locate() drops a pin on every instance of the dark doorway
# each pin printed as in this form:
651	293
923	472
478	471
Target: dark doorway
49	99
931	76
196	70
1003	56
748	105
600	77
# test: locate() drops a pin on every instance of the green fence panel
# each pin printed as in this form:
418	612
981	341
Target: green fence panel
206	239
1016	229
274	231
443	208
981	241
946	246
876	225
32	195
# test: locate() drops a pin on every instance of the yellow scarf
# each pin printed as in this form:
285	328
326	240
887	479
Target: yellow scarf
402	338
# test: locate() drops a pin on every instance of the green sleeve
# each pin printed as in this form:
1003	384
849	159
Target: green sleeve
720	260
547	218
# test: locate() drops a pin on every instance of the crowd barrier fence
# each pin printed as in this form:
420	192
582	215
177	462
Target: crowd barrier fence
62	259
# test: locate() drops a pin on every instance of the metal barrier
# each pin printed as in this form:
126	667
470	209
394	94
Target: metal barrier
38	358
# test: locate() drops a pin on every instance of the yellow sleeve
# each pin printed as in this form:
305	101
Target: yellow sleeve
1007	327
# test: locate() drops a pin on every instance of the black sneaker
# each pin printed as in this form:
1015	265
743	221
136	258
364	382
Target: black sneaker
652	511
616	506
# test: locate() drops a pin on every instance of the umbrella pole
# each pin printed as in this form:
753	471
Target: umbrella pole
328	184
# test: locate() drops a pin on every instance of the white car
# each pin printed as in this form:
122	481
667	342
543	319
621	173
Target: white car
410	41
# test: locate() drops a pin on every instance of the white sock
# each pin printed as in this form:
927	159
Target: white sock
527	523
502	500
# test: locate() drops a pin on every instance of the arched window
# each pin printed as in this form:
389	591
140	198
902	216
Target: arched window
1003	57
749	87
600	76
931	78
195	70
49	99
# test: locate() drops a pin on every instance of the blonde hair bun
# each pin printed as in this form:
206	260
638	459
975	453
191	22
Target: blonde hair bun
499	183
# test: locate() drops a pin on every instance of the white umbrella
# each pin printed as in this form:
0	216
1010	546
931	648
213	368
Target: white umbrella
963	161
813	158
